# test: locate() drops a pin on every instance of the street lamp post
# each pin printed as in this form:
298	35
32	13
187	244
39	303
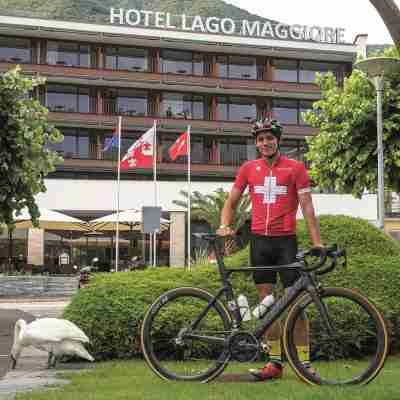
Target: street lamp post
377	69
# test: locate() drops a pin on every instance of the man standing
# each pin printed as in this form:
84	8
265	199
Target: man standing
277	185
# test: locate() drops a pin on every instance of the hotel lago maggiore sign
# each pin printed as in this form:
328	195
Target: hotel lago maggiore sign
227	26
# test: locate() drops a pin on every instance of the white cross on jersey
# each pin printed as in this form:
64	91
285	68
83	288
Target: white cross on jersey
270	190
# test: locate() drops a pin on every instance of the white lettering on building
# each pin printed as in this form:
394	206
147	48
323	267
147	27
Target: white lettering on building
250	28
227	26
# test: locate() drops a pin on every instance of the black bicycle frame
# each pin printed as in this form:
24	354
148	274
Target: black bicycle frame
304	284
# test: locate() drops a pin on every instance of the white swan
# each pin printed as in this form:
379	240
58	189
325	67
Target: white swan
56	336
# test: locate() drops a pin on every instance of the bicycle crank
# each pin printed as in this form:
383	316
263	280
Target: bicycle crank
243	346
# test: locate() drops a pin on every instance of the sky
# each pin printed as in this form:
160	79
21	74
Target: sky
355	16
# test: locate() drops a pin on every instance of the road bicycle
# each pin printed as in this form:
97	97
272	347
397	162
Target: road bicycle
190	334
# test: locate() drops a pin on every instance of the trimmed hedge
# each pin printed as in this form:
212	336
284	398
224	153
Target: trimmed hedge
110	310
356	235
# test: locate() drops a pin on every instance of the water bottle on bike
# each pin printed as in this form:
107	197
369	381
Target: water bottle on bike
262	308
244	307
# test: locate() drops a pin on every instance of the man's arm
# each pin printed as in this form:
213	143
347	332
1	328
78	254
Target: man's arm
228	212
307	208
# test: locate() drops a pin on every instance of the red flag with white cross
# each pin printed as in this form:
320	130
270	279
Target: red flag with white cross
180	147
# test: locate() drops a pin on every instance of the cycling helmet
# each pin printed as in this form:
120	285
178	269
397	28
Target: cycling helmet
267	125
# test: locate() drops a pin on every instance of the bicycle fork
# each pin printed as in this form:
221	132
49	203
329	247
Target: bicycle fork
321	307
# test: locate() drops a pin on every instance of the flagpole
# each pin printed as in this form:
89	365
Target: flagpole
118	190
189	197
155	191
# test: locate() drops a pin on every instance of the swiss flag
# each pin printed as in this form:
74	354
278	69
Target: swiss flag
140	154
180	147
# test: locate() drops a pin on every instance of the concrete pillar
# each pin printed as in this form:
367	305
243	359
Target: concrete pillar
35	247
177	239
99	57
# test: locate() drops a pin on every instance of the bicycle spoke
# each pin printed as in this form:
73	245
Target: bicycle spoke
175	350
349	354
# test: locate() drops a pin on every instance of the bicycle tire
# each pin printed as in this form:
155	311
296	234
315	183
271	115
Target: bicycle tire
174	321
355	359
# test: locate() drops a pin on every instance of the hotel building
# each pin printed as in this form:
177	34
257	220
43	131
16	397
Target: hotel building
216	83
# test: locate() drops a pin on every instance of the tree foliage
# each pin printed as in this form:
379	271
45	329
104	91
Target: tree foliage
344	154
24	159
208	208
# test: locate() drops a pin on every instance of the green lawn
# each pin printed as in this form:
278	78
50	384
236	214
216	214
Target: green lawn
134	380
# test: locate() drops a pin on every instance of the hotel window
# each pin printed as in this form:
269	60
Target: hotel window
237	67
293	149
285	70
75	144
186	106
290	111
233	151
230	108
285	111
68	54
308	70
126	102
62	98
197	151
127	58
15	50
182	62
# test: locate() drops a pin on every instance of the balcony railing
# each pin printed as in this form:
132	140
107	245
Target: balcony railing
111	77
163	168
176	125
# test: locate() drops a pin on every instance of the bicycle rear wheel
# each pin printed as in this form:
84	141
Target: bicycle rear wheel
352	353
168	339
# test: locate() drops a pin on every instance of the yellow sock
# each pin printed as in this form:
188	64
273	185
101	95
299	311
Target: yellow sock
303	353
275	352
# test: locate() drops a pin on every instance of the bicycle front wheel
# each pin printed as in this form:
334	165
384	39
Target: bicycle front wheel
348	347
177	348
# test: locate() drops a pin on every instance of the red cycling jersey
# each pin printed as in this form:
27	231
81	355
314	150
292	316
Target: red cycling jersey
274	193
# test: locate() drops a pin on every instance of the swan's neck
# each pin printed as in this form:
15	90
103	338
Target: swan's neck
19	330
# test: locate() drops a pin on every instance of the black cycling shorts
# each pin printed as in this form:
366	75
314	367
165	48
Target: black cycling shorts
273	250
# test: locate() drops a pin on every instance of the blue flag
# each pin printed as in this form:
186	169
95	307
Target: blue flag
111	142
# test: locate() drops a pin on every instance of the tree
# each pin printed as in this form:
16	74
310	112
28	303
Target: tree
24	158
208	208
343	156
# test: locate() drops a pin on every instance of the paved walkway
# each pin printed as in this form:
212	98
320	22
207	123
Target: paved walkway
31	372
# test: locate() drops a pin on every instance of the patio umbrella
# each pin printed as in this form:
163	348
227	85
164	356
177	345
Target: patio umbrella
51	220
129	220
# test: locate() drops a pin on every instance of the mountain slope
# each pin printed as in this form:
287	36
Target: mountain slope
99	10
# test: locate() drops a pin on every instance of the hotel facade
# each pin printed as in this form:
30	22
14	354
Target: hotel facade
216	81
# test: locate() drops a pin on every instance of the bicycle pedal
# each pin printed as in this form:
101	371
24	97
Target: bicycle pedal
266	347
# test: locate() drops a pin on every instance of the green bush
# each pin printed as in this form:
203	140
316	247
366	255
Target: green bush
356	235
110	310
112	307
